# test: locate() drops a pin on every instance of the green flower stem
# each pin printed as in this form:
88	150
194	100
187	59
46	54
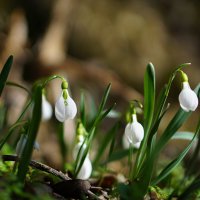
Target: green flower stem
32	133
52	78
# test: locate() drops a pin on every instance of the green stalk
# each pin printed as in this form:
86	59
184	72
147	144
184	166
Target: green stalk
32	133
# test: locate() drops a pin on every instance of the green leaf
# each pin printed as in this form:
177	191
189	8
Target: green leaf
149	97
104	99
5	72
104	114
149	101
183	135
101	114
32	133
145	175
167	170
109	136
146	169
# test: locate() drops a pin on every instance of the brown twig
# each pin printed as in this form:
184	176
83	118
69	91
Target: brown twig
39	166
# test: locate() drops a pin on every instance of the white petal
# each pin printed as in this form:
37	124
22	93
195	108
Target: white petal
36	146
70	108
134	132
21	144
126	144
188	99
137	145
60	109
46	109
86	170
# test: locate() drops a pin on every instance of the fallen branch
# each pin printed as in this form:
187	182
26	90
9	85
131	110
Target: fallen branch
39	166
82	185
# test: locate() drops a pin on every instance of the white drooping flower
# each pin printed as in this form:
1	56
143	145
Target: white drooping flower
65	108
126	144
86	169
187	98
21	144
134	131
46	109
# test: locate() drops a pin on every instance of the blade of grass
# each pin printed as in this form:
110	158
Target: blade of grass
104	99
144	178
32	133
149	101
147	168
5	72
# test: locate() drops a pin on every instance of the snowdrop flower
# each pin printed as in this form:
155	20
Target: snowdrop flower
21	144
134	131
187	98
86	169
46	109
126	144
65	107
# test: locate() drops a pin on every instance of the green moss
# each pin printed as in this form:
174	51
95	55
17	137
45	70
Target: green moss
160	193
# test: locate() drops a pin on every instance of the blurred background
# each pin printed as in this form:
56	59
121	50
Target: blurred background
93	43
